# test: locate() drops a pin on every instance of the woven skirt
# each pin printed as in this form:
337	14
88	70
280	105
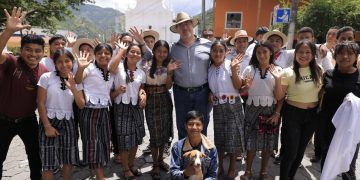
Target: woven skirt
255	140
130	129
158	111
62	149
229	127
95	135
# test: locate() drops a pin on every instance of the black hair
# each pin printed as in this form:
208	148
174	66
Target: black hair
349	46
345	29
191	115
261	30
158	44
335	27
125	34
306	30
101	46
315	69
56	37
83	44
58	53
126	60
32	39
215	43
254	60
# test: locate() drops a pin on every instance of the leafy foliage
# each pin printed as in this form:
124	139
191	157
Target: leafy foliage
323	14
42	13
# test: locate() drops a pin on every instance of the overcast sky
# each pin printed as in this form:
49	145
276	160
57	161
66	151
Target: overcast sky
190	6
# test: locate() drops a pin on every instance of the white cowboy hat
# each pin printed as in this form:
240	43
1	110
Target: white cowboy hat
79	42
240	34
182	17
278	33
151	32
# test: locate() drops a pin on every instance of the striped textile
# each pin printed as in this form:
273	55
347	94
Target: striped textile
229	127
63	149
95	135
159	119
254	139
130	129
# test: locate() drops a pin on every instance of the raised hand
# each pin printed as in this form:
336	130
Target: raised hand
14	22
236	62
247	82
137	35
30	32
122	45
96	42
274	71
114	38
225	37
173	65
70	38
70	83
82	60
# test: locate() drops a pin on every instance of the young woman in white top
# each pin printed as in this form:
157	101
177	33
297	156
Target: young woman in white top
225	82
56	93
94	118
129	101
262	112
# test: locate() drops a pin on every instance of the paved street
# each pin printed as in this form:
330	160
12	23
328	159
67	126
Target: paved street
16	164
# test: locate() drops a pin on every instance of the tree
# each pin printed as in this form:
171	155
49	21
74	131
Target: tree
323	14
42	13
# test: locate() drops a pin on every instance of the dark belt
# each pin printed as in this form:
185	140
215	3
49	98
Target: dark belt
16	120
155	89
192	89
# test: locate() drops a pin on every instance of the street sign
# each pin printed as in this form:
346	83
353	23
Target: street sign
282	15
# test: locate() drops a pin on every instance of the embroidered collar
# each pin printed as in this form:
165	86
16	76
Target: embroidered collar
206	143
104	74
62	84
131	74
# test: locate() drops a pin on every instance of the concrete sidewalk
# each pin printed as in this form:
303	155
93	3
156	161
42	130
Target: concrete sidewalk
16	164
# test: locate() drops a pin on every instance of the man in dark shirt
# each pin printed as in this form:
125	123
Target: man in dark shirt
18	91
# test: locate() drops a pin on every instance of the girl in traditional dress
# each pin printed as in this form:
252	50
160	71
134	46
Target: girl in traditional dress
262	112
129	101
225	82
58	138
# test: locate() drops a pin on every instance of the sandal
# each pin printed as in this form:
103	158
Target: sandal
128	177
264	176
154	174
135	170
246	176
164	166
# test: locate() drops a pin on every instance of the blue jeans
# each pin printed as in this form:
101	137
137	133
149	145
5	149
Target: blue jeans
186	101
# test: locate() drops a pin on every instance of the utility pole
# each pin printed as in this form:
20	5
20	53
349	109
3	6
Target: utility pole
294	10
202	15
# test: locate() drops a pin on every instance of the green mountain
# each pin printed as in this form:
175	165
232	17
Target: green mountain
209	19
94	22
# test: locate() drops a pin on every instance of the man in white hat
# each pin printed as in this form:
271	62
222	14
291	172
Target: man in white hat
240	42
190	81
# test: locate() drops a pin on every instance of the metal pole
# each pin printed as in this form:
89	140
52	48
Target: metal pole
294	9
203	16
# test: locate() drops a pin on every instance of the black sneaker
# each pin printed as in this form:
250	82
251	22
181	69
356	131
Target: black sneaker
147	150
277	159
315	159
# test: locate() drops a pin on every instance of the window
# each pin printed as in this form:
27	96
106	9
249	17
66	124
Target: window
233	20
